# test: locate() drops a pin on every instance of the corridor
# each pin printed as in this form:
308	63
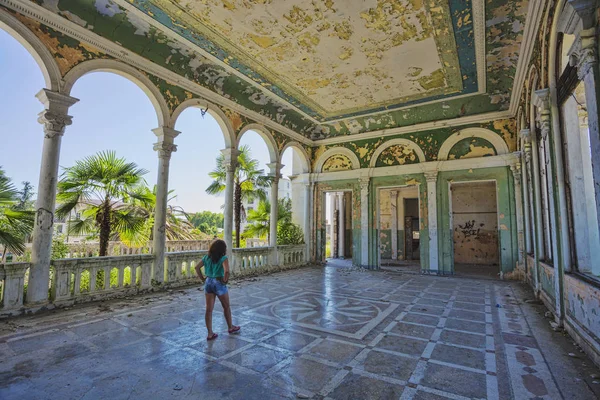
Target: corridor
317	332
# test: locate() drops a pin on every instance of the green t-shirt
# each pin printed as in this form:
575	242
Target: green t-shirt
212	269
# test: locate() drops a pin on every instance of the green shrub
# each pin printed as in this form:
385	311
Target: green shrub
289	233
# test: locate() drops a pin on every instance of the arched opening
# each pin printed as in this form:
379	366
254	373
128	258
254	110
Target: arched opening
296	166
584	235
114	116
251	210
198	147
22	138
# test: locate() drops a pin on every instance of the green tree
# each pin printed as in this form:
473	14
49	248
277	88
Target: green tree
15	224
249	182
177	226
105	187
25	195
207	222
261	216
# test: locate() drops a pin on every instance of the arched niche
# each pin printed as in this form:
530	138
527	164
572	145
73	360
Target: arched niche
301	156
35	47
128	72
213	111
408	152
471	147
267	137
354	163
493	138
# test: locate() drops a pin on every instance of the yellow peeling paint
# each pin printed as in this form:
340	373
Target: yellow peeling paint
503	227
433	81
262	41
507	128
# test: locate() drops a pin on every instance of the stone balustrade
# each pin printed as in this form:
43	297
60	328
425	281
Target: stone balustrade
79	250
76	280
180	266
87	279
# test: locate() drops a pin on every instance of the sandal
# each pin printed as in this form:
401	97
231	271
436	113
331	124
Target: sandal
235	329
212	337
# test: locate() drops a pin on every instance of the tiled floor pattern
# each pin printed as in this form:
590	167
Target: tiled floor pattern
311	333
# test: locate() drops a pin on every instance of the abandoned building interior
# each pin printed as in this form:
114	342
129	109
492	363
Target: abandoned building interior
441	140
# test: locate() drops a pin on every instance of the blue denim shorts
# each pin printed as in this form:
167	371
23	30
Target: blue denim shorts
213	285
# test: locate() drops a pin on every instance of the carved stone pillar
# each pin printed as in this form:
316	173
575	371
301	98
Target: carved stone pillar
332	221
431	178
394	222
276	174
364	221
527	186
308	197
342	224
516	170
164	148
585	58
54	118
230	155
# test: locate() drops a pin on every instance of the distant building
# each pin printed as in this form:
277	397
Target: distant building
284	192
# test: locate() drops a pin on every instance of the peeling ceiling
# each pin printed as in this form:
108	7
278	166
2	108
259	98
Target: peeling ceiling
322	68
331	59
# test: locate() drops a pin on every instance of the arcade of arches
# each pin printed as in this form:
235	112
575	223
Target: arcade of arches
455	138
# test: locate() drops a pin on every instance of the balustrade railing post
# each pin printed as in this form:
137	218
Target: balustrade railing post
14	285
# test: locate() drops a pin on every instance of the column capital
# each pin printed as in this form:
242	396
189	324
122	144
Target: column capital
164	149
230	155
275	169
516	170
525	134
393	193
431	176
54	123
364	182
55	115
584	54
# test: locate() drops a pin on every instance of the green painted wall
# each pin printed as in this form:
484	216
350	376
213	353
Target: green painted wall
506	215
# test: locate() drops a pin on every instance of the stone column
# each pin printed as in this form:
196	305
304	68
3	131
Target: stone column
394	219
586	60
431	178
342	225
332	204
559	225
164	147
516	170
364	221
276	174
54	118
230	155
526	184
308	190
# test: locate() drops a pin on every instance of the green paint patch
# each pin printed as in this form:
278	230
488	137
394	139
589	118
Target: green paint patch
471	148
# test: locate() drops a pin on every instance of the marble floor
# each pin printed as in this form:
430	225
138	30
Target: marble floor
317	332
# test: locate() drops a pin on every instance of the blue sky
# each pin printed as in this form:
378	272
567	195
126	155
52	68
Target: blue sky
112	114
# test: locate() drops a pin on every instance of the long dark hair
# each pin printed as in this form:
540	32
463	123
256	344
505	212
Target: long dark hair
217	249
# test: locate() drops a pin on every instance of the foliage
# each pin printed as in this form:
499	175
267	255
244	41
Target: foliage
16	223
108	189
289	234
287	231
25	195
207	222
59	248
250	182
177	225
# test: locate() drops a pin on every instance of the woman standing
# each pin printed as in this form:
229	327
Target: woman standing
216	267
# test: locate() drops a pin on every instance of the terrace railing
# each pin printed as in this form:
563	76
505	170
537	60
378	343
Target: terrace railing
76	280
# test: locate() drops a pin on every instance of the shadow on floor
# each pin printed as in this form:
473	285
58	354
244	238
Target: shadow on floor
339	262
477	271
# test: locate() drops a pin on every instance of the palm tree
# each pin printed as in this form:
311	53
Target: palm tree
105	187
261	216
177	226
15	224
249	183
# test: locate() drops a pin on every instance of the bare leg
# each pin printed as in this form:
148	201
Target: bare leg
210	304
224	299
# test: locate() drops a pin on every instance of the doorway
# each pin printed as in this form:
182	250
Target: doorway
399	228
475	228
338	225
